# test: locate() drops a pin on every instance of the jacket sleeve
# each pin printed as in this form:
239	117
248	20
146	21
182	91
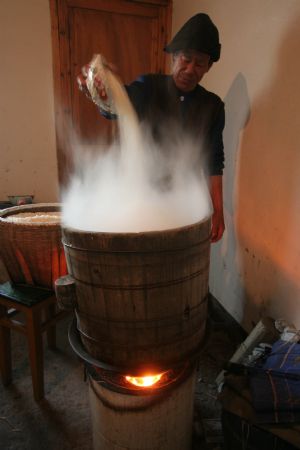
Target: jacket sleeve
137	91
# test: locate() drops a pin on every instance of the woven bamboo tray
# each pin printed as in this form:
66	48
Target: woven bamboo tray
32	252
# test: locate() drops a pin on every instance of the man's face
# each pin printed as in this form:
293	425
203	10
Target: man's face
188	68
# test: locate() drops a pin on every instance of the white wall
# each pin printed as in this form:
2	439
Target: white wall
27	135
255	269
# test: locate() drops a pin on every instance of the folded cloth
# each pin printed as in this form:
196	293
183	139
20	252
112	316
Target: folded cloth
284	357
275	387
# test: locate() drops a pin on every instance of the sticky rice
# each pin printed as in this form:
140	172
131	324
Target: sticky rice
34	218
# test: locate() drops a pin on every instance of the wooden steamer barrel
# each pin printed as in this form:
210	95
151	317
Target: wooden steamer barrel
141	298
32	250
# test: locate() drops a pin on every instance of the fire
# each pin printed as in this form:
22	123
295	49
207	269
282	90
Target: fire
146	381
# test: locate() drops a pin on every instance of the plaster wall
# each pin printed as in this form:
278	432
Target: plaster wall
28	162
255	268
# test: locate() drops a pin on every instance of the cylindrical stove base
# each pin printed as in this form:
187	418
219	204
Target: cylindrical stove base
143	422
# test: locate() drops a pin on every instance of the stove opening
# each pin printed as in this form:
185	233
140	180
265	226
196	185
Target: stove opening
145	381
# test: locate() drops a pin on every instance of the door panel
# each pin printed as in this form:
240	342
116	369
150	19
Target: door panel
111	35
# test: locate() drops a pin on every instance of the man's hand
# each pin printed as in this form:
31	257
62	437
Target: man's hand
216	192
81	81
92	78
217	226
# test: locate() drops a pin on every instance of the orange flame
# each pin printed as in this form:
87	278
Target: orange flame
146	381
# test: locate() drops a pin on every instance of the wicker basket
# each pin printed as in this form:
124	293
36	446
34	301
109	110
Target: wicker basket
32	252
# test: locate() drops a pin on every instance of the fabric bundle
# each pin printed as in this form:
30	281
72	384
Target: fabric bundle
275	384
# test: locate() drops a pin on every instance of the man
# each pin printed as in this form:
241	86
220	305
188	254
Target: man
177	100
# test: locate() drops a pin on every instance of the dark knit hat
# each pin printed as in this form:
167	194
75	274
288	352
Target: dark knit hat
198	33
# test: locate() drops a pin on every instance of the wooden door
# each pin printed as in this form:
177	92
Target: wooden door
130	34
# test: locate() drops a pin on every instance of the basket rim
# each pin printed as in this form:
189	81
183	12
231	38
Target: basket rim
32	207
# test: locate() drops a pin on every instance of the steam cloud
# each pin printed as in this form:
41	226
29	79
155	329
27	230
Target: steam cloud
136	185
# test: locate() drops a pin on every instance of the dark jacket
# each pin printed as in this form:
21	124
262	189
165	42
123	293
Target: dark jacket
199	113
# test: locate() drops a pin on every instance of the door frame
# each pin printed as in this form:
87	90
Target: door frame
60	33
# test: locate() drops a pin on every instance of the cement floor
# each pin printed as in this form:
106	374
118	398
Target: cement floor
61	421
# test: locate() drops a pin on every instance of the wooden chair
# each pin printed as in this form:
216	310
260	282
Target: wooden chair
32	302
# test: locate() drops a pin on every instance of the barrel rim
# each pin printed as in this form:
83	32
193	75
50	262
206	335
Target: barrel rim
145	242
73	231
